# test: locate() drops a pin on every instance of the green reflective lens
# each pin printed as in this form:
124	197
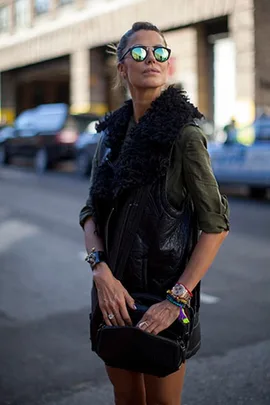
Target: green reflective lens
138	54
161	54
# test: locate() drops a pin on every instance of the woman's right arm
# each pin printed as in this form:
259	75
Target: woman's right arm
113	298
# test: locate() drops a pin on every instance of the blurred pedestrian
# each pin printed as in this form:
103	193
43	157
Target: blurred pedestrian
153	223
231	132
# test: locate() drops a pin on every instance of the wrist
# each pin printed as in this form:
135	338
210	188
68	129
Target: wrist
172	307
101	271
95	257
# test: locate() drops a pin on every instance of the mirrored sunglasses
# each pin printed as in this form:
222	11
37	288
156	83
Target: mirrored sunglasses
140	53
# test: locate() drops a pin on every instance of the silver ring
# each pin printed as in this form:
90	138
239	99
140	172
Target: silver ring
110	316
143	323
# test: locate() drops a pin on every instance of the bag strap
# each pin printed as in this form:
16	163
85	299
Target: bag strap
132	226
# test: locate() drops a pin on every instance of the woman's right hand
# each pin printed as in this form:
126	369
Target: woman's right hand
113	298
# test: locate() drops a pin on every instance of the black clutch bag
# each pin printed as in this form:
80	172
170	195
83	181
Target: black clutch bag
132	349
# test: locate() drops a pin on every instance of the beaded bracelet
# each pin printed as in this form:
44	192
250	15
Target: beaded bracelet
175	302
182	315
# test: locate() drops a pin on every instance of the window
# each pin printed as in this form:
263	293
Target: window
4	20
25	120
22	13
42	6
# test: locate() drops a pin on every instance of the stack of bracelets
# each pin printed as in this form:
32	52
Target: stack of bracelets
180	296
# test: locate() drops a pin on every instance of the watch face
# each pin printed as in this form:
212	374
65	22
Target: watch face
92	259
179	290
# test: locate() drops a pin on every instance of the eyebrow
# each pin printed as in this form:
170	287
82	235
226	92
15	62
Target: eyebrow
153	46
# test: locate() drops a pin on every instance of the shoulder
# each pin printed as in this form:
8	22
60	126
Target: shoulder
192	134
191	137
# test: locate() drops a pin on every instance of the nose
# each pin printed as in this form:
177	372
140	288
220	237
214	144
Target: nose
150	57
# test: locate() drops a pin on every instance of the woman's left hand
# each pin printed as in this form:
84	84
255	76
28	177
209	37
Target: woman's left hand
159	317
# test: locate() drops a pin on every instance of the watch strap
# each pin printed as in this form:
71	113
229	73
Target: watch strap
93	258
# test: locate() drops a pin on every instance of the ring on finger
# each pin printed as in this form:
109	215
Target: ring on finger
142	324
110	316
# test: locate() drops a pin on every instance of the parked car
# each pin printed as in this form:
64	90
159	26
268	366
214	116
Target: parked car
85	148
235	163
46	134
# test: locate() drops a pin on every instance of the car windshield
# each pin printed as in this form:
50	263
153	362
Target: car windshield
50	121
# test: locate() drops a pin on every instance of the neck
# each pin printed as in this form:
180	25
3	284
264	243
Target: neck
142	100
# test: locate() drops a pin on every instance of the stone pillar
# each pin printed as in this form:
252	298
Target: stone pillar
184	60
262	44
8	97
80	81
204	69
241	27
99	83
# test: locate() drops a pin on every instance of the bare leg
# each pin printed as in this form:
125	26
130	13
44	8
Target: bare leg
165	391
128	386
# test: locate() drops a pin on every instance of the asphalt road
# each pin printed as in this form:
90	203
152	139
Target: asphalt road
45	355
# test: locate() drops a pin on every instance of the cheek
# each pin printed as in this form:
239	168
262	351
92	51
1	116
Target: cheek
134	71
166	68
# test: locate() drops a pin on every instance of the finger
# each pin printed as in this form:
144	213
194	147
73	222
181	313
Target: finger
105	317
159	328
130	301
144	324
151	327
125	315
117	320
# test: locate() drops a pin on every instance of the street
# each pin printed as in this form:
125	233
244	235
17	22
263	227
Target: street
45	355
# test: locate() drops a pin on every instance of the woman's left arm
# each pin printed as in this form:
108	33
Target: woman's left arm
212	211
210	206
202	257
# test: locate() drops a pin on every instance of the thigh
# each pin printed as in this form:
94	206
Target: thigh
128	386
167	390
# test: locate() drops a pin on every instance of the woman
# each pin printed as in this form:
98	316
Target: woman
151	143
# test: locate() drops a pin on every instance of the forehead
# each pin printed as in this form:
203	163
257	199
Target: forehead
147	38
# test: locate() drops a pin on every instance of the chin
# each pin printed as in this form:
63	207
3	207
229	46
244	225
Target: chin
151	83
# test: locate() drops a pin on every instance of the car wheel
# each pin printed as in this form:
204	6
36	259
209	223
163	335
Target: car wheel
257	192
83	164
4	157
41	161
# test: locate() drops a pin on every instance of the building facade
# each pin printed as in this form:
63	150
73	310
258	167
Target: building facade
55	51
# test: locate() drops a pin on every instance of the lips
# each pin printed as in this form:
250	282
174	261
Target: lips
151	71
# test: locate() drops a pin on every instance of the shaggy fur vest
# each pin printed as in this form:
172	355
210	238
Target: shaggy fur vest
144	156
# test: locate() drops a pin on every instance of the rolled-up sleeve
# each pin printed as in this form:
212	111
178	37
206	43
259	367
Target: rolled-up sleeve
211	207
87	211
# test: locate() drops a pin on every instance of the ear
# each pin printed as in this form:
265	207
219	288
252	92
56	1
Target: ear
122	70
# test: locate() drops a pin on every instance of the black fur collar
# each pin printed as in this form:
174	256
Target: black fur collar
143	156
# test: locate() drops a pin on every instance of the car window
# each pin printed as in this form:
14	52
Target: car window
25	120
51	121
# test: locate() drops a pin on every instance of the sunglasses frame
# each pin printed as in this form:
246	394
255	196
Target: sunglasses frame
146	48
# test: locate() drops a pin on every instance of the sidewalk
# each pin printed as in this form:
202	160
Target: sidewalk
240	377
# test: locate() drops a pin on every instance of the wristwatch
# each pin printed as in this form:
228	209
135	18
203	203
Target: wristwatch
180	291
93	258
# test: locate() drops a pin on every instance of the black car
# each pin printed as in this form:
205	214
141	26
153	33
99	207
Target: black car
46	134
85	148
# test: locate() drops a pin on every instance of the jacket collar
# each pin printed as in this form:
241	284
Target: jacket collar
143	156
